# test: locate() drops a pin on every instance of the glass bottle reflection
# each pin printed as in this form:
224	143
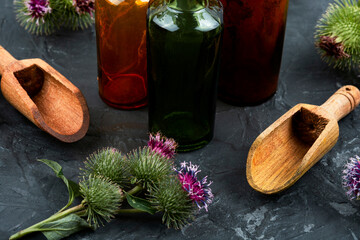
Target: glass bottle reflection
121	52
252	50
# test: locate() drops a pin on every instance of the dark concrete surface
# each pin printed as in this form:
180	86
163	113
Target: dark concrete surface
316	207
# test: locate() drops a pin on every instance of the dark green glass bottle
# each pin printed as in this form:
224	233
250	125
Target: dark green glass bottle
183	48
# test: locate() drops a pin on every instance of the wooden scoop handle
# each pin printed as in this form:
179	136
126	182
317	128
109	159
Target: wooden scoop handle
5	59
343	101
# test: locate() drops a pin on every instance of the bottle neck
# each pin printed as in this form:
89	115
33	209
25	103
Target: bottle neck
187	5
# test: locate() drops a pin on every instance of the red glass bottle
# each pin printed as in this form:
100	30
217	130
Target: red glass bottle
121	52
252	50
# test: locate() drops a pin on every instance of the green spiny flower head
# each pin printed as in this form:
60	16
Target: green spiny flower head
37	16
170	199
110	163
338	34
77	13
46	16
148	167
102	198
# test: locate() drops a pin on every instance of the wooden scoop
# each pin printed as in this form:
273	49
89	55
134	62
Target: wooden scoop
296	141
44	96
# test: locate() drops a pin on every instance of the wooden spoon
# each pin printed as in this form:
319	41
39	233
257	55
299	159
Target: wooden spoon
44	96
296	141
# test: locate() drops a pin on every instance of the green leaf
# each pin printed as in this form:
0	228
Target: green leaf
140	203
73	188
63	227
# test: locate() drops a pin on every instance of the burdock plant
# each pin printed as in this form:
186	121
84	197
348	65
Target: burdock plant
101	199
175	203
162	145
46	16
337	34
351	178
110	163
148	168
111	180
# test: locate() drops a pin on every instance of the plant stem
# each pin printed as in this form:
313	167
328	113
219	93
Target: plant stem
130	210
135	190
37	227
79	210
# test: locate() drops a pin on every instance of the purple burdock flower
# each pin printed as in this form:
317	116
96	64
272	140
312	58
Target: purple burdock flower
199	191
84	6
332	48
38	9
162	145
352	178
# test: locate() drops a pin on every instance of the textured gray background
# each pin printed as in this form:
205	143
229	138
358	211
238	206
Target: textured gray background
316	207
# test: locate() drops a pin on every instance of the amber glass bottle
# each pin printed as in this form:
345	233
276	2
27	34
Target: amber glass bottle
252	49
184	39
121	52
